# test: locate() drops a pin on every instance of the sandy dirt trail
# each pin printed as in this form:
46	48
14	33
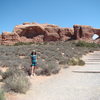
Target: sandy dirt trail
67	85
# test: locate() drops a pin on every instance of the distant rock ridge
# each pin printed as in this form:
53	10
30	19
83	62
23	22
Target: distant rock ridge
34	32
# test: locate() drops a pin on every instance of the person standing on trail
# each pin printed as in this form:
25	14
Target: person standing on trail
34	62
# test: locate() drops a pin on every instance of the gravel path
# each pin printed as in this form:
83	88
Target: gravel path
67	85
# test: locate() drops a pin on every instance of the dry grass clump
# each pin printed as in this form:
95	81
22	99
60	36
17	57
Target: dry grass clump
47	68
15	80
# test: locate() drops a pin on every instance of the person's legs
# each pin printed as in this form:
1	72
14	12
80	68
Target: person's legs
35	66
32	70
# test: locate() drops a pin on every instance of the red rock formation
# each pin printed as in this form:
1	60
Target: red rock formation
96	31
9	38
34	32
43	32
83	32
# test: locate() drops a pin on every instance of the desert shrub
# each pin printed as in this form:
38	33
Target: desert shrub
2	96
72	61
42	68
11	71
76	61
53	67
22	43
86	44
10	63
17	83
63	62
16	80
47	68
81	62
26	65
45	43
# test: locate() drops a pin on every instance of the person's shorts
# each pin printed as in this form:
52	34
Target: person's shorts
34	64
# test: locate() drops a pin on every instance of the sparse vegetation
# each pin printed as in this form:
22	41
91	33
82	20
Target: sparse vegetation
15	80
72	61
22	43
63	62
52	51
17	83
53	67
50	56
81	62
86	44
11	71
48	68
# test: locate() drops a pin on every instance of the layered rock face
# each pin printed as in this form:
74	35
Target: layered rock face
96	31
34	32
9	38
43	32
83	32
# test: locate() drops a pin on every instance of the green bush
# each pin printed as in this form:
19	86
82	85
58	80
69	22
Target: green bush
23	43
76	61
86	44
16	80
72	61
81	62
2	97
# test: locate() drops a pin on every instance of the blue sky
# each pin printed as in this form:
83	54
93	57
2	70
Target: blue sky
64	13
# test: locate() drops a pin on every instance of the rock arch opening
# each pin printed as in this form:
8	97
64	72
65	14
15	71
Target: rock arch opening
95	37
31	32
